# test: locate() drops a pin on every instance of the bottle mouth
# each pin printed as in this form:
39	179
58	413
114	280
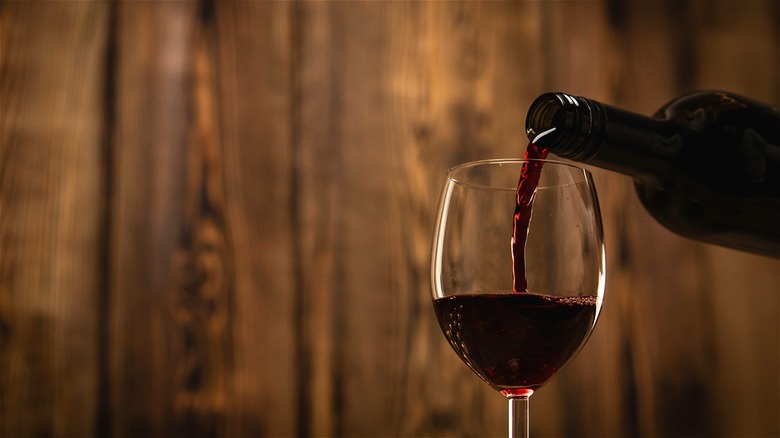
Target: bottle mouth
547	112
566	125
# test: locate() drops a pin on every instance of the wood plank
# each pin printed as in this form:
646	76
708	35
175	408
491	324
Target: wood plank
52	208
317	162
253	51
153	227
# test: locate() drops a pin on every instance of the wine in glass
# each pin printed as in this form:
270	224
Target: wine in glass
518	271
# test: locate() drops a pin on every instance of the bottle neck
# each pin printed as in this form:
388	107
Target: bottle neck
587	131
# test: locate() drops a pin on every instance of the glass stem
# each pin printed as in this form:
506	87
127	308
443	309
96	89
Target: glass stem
518	417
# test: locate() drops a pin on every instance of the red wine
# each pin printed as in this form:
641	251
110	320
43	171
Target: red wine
526	190
516	342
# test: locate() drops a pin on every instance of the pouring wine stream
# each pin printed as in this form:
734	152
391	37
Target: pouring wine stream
526	189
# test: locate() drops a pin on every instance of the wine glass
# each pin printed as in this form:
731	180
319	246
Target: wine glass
517	340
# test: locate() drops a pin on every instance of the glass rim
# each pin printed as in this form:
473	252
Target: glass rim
587	176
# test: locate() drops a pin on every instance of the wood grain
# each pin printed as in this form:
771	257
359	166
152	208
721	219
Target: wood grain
52	215
149	226
216	217
253	96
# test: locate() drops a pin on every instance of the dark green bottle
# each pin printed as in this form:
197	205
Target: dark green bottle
706	165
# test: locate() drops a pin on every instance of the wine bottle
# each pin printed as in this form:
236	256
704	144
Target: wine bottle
706	165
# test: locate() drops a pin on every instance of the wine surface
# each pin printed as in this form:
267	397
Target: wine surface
516	341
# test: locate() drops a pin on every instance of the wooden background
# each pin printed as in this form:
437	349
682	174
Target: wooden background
216	217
